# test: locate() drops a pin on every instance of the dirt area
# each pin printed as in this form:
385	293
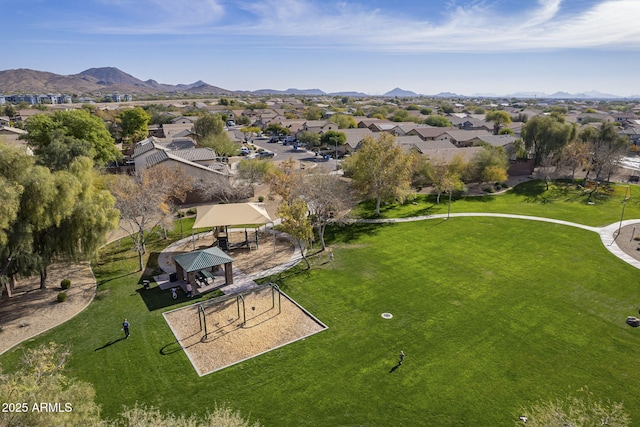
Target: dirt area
17	319
626	240
266	321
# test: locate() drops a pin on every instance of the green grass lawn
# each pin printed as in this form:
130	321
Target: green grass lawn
562	201
492	314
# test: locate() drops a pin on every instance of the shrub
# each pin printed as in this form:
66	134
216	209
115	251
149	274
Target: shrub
62	296
65	284
261	199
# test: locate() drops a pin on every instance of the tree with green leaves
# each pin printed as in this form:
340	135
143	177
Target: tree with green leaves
438	121
546	135
135	124
313	113
41	378
380	170
294	215
78	125
333	138
343	121
309	139
221	144
443	179
490	164
250	130
62	150
254	170
277	129
9	111
499	118
69	213
208	125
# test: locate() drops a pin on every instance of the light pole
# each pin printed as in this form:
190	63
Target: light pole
449	207
624	203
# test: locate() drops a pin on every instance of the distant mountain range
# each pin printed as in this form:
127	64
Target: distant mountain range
107	80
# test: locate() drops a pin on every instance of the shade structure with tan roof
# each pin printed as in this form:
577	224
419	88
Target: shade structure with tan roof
195	261
222	215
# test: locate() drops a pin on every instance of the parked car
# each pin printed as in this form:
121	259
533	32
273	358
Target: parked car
266	154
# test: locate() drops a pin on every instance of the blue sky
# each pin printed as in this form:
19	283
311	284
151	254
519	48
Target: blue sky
429	46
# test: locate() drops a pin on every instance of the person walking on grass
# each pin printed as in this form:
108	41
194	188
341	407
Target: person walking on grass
125	328
401	357
330	254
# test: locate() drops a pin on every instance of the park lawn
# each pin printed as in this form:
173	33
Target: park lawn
492	313
562	201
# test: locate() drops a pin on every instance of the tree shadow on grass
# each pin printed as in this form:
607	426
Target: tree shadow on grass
155	298
350	232
104	282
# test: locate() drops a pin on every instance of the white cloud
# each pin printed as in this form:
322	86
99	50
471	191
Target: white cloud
158	16
476	26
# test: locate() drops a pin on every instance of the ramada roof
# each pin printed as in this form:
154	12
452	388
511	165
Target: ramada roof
199	260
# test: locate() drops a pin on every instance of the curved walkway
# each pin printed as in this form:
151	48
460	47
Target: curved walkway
246	281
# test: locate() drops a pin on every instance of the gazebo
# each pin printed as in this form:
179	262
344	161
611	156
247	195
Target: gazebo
206	261
221	216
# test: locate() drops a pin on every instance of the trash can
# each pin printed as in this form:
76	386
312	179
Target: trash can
223	243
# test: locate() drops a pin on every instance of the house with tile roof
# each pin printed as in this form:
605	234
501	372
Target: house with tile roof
466	138
12	135
431	133
196	162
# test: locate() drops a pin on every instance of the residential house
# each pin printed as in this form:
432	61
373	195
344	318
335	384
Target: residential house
469	123
416	144
466	138
366	122
446	155
583	118
633	133
184	120
197	162
354	139
318	126
431	133
11	135
506	142
170	130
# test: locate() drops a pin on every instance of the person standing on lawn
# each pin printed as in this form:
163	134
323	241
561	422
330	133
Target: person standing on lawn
401	357
125	328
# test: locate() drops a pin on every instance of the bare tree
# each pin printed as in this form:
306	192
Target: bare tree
329	198
227	189
144	201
